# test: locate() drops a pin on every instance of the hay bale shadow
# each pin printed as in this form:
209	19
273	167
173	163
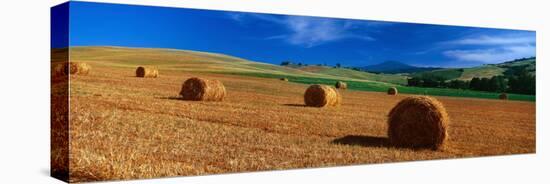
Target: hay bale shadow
171	98
365	141
295	105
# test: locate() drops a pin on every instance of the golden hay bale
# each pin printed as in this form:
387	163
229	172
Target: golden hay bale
79	68
341	85
74	68
59	69
322	96
418	122
198	89
392	91
284	79
503	96
148	72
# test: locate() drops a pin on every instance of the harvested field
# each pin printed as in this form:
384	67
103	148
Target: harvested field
124	127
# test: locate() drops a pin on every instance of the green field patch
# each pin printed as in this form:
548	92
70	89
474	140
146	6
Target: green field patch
383	87
446	74
342	72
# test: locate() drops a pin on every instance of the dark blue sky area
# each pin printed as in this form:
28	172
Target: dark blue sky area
312	40
59	30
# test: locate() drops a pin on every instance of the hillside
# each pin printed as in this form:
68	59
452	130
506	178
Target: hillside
485	71
528	64
354	74
394	67
186	60
171	61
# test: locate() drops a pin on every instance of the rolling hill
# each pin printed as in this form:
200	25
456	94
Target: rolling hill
485	71
394	67
186	60
196	62
354	74
171	59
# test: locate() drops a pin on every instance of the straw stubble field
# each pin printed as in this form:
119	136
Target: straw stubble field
124	127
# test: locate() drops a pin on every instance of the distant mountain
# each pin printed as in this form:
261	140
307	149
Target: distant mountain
393	67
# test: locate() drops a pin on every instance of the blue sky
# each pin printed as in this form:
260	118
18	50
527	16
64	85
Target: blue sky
312	40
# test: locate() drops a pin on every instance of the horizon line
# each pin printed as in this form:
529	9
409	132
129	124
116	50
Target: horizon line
179	49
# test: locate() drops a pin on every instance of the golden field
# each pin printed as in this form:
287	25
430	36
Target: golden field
124	127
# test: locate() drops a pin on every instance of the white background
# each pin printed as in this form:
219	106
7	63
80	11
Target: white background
24	89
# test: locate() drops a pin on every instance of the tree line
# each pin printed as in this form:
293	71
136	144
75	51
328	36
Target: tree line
517	81
292	63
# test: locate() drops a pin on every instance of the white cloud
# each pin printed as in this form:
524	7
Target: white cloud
493	55
495	40
310	31
236	16
492	49
244	17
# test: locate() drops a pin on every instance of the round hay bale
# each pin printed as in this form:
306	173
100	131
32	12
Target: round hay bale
392	91
341	85
418	122
59	74
284	79
59	69
198	89
76	68
322	96
503	96
147	72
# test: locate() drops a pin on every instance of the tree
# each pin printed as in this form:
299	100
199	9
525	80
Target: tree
484	84
497	84
493	84
413	81
523	83
285	63
475	83
458	84
338	65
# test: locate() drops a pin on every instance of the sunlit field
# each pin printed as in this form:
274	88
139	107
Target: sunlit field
124	127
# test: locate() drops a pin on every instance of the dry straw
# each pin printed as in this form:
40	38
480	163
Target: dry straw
418	122
147	72
503	96
198	89
59	69
79	68
322	96
341	85
73	68
392	91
